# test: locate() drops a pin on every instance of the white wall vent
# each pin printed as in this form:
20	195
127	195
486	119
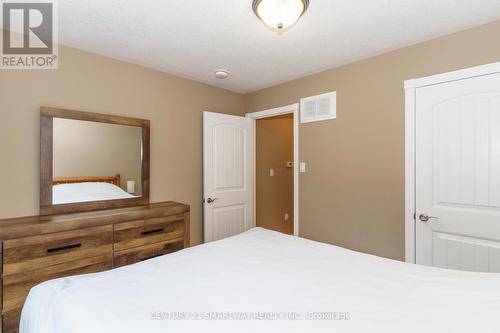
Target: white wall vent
317	108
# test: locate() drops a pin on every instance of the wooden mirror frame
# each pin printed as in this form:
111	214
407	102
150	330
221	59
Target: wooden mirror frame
47	115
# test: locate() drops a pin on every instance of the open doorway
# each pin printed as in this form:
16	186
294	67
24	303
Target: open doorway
276	169
274	173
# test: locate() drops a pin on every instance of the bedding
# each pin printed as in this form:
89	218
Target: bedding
85	192
264	281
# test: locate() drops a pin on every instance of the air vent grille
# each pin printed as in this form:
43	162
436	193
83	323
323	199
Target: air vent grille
317	108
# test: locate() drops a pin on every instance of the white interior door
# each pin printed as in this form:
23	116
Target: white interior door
228	170
458	174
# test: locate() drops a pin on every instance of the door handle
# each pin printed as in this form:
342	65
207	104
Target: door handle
425	217
211	200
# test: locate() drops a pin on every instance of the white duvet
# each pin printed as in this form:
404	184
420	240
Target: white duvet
264	272
85	192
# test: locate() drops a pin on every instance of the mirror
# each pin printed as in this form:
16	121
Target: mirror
95	161
92	161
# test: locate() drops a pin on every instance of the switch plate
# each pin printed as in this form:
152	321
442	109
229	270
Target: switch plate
271	172
302	167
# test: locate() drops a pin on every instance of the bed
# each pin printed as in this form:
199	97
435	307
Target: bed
87	189
264	281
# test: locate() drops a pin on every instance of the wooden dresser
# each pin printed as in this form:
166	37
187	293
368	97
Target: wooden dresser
36	249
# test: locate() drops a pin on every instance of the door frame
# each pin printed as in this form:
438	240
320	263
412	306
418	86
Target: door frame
411	87
288	109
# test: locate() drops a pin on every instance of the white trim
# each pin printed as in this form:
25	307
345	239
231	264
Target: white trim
294	109
410	95
274	112
454	76
411	87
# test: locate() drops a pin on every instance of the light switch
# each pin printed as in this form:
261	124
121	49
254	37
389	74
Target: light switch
302	167
271	172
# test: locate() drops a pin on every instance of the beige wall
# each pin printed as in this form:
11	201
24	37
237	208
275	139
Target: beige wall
90	149
274	147
353	192
90	82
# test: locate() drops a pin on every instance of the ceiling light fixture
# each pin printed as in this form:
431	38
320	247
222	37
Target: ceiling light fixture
279	14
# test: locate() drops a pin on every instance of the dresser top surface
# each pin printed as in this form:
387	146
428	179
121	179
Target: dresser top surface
35	225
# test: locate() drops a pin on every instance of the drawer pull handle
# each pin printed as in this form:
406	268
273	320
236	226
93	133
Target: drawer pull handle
64	247
151	257
153	231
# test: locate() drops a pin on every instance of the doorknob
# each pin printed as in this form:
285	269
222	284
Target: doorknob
425	217
210	200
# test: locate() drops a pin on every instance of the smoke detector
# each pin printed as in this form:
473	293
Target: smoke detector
221	74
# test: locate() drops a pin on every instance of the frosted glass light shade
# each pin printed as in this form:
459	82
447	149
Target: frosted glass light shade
279	14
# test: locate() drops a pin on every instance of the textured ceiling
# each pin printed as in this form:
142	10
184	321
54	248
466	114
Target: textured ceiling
193	38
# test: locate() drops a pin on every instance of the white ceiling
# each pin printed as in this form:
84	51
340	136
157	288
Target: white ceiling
193	38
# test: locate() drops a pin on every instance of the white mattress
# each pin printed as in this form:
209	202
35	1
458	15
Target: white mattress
85	192
262	271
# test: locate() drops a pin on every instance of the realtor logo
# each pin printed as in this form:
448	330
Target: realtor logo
29	35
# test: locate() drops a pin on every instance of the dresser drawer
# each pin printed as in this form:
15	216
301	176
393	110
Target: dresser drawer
37	252
17	286
141	253
150	231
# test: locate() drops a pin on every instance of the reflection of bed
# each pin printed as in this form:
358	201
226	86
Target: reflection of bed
86	189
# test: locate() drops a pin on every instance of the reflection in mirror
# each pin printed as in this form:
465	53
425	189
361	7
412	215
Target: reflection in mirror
95	161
